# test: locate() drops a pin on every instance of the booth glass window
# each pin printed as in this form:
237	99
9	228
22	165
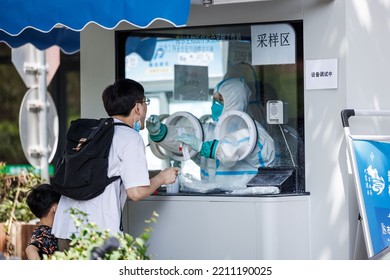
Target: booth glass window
180	68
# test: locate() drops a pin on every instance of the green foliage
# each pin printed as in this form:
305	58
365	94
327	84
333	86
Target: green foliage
12	90
13	195
13	206
11	148
92	236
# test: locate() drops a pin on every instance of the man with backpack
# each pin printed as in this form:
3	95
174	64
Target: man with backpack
126	103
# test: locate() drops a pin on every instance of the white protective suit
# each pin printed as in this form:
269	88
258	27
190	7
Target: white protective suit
226	172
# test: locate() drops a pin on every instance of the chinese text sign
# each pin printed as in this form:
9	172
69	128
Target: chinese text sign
273	44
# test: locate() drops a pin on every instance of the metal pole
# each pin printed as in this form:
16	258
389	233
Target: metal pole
43	141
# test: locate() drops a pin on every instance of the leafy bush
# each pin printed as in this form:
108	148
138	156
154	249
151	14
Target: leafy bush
11	149
91	236
13	195
13	206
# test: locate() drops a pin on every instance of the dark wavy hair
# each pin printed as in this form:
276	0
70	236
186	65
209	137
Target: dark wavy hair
121	97
41	198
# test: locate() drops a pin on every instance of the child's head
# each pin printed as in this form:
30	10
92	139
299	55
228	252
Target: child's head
41	198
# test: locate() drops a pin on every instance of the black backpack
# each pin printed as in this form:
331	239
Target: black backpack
81	172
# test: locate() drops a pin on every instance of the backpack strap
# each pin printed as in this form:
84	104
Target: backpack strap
121	123
114	178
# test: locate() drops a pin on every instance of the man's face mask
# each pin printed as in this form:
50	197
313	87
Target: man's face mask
216	110
137	125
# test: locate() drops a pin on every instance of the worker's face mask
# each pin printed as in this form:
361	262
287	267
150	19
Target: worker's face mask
216	110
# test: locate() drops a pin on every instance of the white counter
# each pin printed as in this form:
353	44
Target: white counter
224	227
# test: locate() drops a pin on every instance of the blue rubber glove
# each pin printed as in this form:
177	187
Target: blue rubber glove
157	130
191	140
153	125
206	149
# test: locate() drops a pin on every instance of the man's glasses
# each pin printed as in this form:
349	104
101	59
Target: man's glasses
146	101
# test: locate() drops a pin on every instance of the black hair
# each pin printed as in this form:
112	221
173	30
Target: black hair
121	97
41	198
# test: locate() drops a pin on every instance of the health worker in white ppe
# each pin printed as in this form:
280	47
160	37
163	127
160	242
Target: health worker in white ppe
218	159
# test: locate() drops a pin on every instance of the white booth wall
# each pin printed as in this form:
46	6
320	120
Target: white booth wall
356	32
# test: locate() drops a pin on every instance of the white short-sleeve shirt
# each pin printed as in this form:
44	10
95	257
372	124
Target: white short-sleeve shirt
126	159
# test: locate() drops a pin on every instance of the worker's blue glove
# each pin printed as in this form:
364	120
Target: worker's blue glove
191	140
207	149
156	129
153	124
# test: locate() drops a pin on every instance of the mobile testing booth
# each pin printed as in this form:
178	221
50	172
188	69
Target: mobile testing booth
333	55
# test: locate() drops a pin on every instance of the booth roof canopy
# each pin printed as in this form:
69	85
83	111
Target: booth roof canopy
36	22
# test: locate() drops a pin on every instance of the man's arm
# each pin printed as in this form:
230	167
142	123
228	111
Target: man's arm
32	253
167	176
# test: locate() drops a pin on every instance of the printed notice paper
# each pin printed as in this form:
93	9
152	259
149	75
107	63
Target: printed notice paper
321	74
